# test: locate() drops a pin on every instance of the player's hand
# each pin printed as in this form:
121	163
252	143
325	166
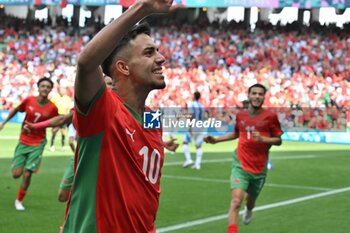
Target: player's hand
171	145
160	6
26	129
257	136
209	139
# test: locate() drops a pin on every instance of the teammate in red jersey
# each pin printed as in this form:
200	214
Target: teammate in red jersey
257	129
118	162
68	177
29	150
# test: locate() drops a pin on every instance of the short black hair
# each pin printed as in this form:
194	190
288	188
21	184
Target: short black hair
45	79
136	30
197	95
257	85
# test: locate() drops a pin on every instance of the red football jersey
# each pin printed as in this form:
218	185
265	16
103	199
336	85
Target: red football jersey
253	155
36	113
118	169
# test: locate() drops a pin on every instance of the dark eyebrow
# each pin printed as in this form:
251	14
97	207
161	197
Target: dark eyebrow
151	48
43	84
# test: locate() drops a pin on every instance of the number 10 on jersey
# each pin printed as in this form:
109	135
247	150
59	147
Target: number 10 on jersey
152	162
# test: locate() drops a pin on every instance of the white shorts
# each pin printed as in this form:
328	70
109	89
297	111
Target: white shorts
72	133
197	138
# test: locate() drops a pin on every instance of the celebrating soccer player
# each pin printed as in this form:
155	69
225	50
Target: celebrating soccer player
29	150
117	178
257	129
68	177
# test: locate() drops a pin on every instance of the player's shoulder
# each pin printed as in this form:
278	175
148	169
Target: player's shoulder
269	112
30	98
107	98
196	104
242	113
112	96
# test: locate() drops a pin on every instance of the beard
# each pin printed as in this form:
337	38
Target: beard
256	106
158	85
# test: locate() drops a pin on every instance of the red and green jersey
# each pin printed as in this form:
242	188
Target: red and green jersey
36	113
253	155
118	169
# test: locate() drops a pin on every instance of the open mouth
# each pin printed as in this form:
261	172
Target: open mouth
158	71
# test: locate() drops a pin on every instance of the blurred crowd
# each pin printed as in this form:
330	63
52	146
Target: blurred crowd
301	67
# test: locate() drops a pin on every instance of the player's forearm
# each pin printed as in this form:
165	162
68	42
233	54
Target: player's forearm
227	137
53	122
40	125
60	120
273	141
104	42
56	121
12	113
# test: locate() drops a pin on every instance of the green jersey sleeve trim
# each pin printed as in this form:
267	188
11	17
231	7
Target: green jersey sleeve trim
85	110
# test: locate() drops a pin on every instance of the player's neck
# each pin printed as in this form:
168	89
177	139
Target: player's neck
253	111
134	101
42	100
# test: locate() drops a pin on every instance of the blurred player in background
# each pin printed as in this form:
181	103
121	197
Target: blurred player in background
257	129
63	103
29	150
68	177
109	82
72	134
197	112
246	104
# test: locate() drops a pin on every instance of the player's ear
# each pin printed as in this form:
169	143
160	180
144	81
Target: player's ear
122	67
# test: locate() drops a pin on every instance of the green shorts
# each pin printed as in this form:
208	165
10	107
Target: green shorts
67	180
28	157
249	182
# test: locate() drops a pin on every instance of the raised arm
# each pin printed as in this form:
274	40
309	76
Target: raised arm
9	117
89	77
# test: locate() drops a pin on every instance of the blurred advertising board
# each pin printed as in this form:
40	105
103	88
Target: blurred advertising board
16	2
305	4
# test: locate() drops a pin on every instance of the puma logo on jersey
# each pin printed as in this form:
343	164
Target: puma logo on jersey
130	134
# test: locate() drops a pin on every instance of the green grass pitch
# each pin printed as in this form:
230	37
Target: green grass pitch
308	191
